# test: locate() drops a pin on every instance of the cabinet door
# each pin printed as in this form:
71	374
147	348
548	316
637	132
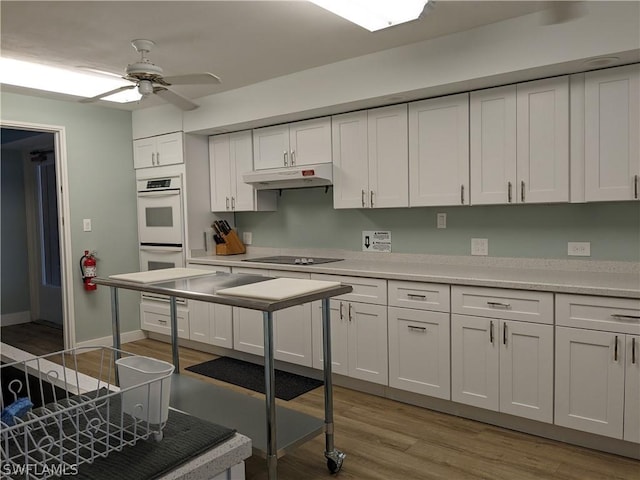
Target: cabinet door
211	323
419	352
220	172
169	149
388	143
243	195
439	151
612	143
589	381
368	342
543	141
493	145
248	333
474	361
310	142
339	336
144	153
271	147
526	370
350	160
632	390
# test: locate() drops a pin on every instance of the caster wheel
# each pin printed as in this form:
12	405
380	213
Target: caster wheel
333	466
157	436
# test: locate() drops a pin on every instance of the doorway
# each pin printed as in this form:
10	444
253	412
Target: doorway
32	165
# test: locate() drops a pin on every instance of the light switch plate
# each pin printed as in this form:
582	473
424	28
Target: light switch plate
441	220
579	249
86	224
479	246
247	238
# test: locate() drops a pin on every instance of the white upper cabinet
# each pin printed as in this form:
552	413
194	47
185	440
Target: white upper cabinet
370	158
230	156
611	126
439	151
158	151
295	144
520	143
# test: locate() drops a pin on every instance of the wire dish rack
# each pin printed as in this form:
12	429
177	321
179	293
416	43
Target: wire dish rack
54	418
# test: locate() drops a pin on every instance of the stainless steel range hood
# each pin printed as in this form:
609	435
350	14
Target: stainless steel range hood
291	177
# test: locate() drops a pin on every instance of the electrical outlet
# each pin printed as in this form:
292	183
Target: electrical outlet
86	224
441	221
479	246
579	249
247	238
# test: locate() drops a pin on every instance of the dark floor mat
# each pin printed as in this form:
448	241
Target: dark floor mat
251	376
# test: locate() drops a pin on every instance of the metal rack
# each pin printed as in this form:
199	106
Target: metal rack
74	419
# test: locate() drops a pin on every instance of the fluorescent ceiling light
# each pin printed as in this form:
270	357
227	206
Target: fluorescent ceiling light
374	14
52	79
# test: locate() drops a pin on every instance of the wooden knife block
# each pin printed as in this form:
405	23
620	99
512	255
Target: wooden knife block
232	245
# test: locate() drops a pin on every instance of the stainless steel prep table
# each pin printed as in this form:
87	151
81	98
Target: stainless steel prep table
204	288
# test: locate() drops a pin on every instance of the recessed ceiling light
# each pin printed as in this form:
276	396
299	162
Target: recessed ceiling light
59	80
375	14
600	62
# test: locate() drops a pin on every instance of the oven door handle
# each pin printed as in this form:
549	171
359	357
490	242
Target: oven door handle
160	193
146	248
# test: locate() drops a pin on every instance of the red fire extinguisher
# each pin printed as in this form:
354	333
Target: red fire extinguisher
88	270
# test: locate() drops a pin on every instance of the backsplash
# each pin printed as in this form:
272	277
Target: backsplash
306	219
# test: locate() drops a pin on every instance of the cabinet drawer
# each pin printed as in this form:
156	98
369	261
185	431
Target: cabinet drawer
421	296
365	290
503	303
157	318
621	315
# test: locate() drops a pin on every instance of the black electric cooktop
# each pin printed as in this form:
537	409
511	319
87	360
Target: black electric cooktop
288	260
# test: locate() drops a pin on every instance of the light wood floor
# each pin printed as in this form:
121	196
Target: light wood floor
388	440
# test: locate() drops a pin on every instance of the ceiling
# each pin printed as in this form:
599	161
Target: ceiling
243	42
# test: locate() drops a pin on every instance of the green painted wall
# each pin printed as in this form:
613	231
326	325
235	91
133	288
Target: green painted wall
306	218
14	278
101	187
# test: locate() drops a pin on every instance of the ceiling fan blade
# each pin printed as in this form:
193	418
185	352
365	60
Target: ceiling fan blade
172	97
106	94
193	79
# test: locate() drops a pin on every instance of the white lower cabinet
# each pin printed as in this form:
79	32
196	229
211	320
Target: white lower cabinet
155	316
358	340
210	322
419	352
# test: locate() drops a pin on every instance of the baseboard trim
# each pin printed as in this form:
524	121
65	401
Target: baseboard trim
108	341
7	319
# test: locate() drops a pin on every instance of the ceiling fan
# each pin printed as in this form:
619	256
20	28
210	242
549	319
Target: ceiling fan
149	80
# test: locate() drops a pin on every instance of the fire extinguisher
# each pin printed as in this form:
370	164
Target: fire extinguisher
88	270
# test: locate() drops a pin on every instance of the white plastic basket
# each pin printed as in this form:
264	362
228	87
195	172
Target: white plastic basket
149	400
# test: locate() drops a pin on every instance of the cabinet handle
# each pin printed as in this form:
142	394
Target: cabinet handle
633	351
635	187
509	196
615	349
499	305
371	199
362	197
206	246
350	318
233	203
153	158
416	296
293	157
522	191
621	316
491	332
227	202
462	194
286	160
504	335
157	158
421	329
341	312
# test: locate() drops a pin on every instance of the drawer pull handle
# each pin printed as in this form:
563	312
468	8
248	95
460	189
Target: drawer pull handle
341	312
504	335
621	316
633	351
415	296
491	332
615	349
499	305
162	321
413	327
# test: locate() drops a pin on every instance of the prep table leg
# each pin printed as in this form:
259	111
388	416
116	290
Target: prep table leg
174	334
270	396
115	326
334	457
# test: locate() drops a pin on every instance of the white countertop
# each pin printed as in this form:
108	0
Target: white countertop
615	279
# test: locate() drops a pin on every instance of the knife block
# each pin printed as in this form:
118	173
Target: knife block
232	245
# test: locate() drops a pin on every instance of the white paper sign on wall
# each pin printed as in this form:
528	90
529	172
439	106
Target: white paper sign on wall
376	241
